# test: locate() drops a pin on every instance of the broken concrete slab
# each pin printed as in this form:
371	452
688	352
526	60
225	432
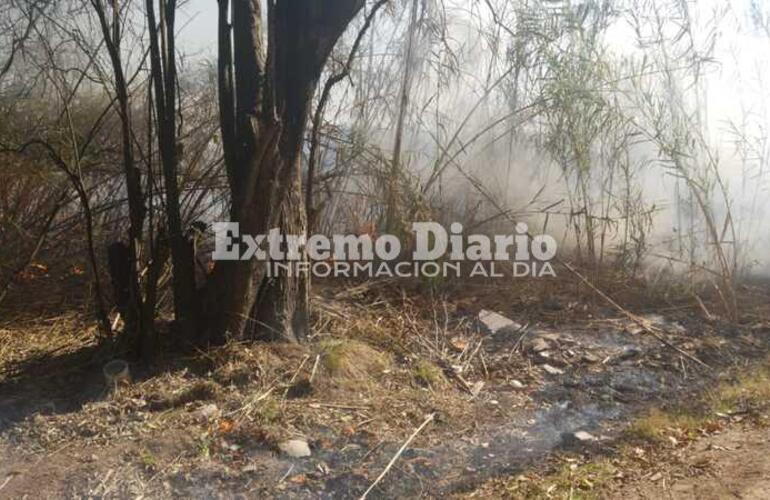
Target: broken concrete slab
492	322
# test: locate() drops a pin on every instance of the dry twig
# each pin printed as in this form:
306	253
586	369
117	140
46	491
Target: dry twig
400	451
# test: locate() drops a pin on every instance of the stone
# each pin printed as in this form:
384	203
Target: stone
492	322
516	384
574	439
584	436
295	448
552	370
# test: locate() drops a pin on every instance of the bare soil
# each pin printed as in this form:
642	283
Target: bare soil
731	464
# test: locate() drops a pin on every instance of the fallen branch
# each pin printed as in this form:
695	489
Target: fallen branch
641	322
7	480
337	406
315	367
294	377
450	372
703	308
518	343
243	411
655	332
400	451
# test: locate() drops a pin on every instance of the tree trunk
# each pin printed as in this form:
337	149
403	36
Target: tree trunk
163	65
392	216
244	303
263	113
283	303
131	307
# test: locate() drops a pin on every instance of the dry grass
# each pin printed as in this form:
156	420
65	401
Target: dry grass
199	390
428	374
382	357
569	480
368	362
659	425
749	390
351	361
25	342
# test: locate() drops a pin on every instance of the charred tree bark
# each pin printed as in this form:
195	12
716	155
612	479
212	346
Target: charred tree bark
263	114
133	306
163	69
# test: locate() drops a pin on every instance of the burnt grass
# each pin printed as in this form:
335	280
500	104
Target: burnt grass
639	374
572	365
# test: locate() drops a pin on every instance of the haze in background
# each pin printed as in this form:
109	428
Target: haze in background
734	90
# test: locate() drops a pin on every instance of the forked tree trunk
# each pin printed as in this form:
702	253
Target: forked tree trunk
243	302
264	95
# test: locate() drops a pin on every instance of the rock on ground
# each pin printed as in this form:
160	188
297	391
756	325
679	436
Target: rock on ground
492	322
295	448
